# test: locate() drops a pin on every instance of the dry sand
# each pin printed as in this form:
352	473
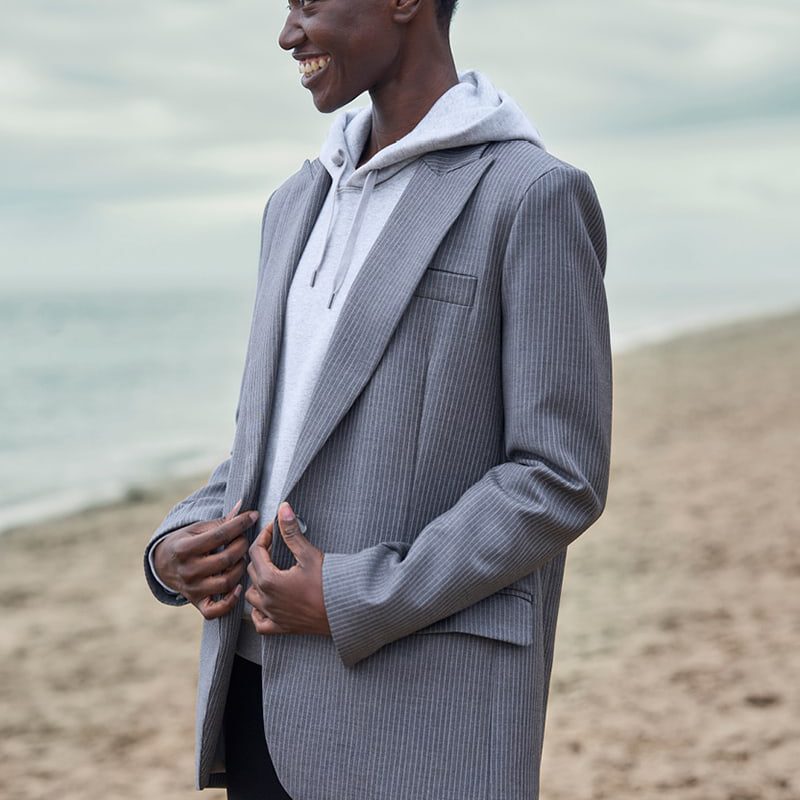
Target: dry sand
677	659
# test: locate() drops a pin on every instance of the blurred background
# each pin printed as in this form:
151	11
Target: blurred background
138	145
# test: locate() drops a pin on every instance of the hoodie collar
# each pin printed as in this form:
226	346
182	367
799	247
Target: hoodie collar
471	112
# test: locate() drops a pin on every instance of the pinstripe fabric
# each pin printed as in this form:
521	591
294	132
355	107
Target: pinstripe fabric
456	442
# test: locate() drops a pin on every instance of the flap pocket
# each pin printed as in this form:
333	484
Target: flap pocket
506	615
450	287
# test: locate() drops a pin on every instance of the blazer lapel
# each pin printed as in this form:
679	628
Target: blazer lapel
290	233
290	236
431	203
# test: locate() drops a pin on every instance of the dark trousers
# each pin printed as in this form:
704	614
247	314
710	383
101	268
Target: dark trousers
251	775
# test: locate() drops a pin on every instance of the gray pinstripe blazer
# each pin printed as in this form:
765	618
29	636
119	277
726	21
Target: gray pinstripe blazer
456	443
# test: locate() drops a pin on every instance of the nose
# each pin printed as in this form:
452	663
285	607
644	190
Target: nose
292	34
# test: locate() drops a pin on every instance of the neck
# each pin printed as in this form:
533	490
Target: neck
398	107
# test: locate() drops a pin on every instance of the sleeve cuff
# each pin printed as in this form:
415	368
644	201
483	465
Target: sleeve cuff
151	558
160	590
344	630
354	587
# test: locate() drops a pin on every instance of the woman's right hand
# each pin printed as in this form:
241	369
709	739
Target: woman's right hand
186	560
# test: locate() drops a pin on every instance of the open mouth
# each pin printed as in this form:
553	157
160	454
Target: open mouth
311	67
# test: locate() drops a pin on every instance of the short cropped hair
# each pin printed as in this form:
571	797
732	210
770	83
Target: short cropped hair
445	10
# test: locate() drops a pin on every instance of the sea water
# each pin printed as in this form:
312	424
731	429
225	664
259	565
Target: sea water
108	390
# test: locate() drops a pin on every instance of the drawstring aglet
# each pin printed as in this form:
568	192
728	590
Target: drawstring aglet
314	276
330	302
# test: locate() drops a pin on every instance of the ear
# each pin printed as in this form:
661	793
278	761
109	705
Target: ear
403	11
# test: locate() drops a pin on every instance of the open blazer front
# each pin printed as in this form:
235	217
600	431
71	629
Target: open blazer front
456	442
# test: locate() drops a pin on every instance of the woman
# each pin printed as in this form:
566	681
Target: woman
430	346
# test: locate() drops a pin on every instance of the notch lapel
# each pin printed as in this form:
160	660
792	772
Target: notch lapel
431	203
290	234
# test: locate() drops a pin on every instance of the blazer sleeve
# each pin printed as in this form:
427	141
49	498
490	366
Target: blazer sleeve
557	403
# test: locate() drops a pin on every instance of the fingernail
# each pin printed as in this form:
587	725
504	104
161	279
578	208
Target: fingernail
285	512
238	590
253	516
238	505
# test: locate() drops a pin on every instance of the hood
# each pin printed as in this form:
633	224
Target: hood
471	112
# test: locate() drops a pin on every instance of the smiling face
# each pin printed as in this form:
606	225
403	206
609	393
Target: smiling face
343	47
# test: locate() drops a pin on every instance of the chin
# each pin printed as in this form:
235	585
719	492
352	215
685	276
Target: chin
327	104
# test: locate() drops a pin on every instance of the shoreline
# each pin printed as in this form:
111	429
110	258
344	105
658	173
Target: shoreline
660	334
127	495
166	485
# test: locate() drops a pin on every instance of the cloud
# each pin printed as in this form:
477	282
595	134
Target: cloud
166	125
642	65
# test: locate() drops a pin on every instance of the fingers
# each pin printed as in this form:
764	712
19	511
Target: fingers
259	614
220	533
259	550
261	568
263	624
219	584
264	538
291	533
211	609
261	577
214	563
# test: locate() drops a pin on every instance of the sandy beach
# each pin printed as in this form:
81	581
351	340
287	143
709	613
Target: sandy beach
677	658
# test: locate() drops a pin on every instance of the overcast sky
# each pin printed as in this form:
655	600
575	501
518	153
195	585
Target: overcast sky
139	141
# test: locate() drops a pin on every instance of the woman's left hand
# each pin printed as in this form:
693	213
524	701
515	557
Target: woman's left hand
291	600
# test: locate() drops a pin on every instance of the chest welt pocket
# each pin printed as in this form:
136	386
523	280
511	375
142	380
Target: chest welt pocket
457	288
506	615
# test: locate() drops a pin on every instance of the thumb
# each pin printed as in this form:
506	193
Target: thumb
291	532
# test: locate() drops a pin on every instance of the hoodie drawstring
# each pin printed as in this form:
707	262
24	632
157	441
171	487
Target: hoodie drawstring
338	161
350	245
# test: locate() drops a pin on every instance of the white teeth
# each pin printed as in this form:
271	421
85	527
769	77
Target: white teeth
313	65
